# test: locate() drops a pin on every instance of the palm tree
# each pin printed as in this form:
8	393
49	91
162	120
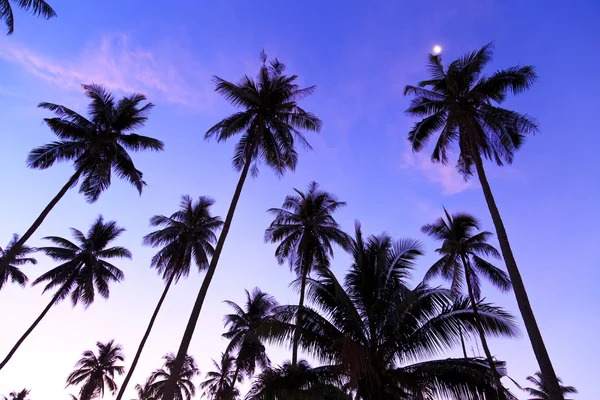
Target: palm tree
36	7
186	237
84	269
97	147
382	337
269	124
463	247
144	392
306	230
220	384
540	392
96	372
464	107
245	327
22	395
185	388
19	258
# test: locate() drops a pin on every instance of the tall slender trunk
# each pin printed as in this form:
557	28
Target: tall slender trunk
230	396
298	329
145	338
28	331
535	336
189	330
462	342
36	224
479	325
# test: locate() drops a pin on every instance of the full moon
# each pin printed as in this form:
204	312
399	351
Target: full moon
437	49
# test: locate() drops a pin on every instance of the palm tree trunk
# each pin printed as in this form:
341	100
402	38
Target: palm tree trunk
479	325
36	224
533	331
298	330
28	331
145	338
233	380
189	330
462	342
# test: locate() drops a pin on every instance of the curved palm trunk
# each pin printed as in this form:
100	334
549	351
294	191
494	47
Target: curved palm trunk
28	331
462	342
189	330
144	339
533	331
298	330
36	224
484	344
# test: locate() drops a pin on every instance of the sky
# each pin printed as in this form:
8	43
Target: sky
360	55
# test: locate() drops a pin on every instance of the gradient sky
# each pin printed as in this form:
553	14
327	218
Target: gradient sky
360	55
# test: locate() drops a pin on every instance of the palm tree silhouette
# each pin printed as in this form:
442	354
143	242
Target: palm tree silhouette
39	8
245	332
540	392
22	395
185	388
462	249
144	392
96	372
269	124
83	269
19	258
306	230
220	384
186	237
464	107
97	147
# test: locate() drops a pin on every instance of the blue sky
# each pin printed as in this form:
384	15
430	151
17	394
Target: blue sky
360	56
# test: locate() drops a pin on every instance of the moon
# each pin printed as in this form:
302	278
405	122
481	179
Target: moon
437	49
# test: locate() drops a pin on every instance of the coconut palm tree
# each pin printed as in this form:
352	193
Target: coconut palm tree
186	237
144	392
97	146
464	107
245	326
382	337
539	392
84	269
306	230
19	259
220	384
96	372
39	8
270	124
22	395
461	263
185	388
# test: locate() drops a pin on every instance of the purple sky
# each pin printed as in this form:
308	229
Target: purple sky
360	56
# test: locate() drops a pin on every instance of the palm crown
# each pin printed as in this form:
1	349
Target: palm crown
22	395
463	106
187	235
96	372
98	145
539	392
460	237
84	268
220	384
19	259
185	387
270	120
36	7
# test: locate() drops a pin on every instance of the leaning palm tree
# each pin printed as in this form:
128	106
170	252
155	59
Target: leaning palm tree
270	124
186	237
382	336
306	230
540	392
464	106
462	250
184	387
244	332
39	8
98	147
22	395
19	259
220	384
97	371
84	269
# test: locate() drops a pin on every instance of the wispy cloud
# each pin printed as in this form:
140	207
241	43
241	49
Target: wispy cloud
444	176
163	71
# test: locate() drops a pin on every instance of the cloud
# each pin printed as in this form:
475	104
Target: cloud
166	70
444	176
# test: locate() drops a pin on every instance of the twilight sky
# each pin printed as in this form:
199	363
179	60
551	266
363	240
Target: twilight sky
360	56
